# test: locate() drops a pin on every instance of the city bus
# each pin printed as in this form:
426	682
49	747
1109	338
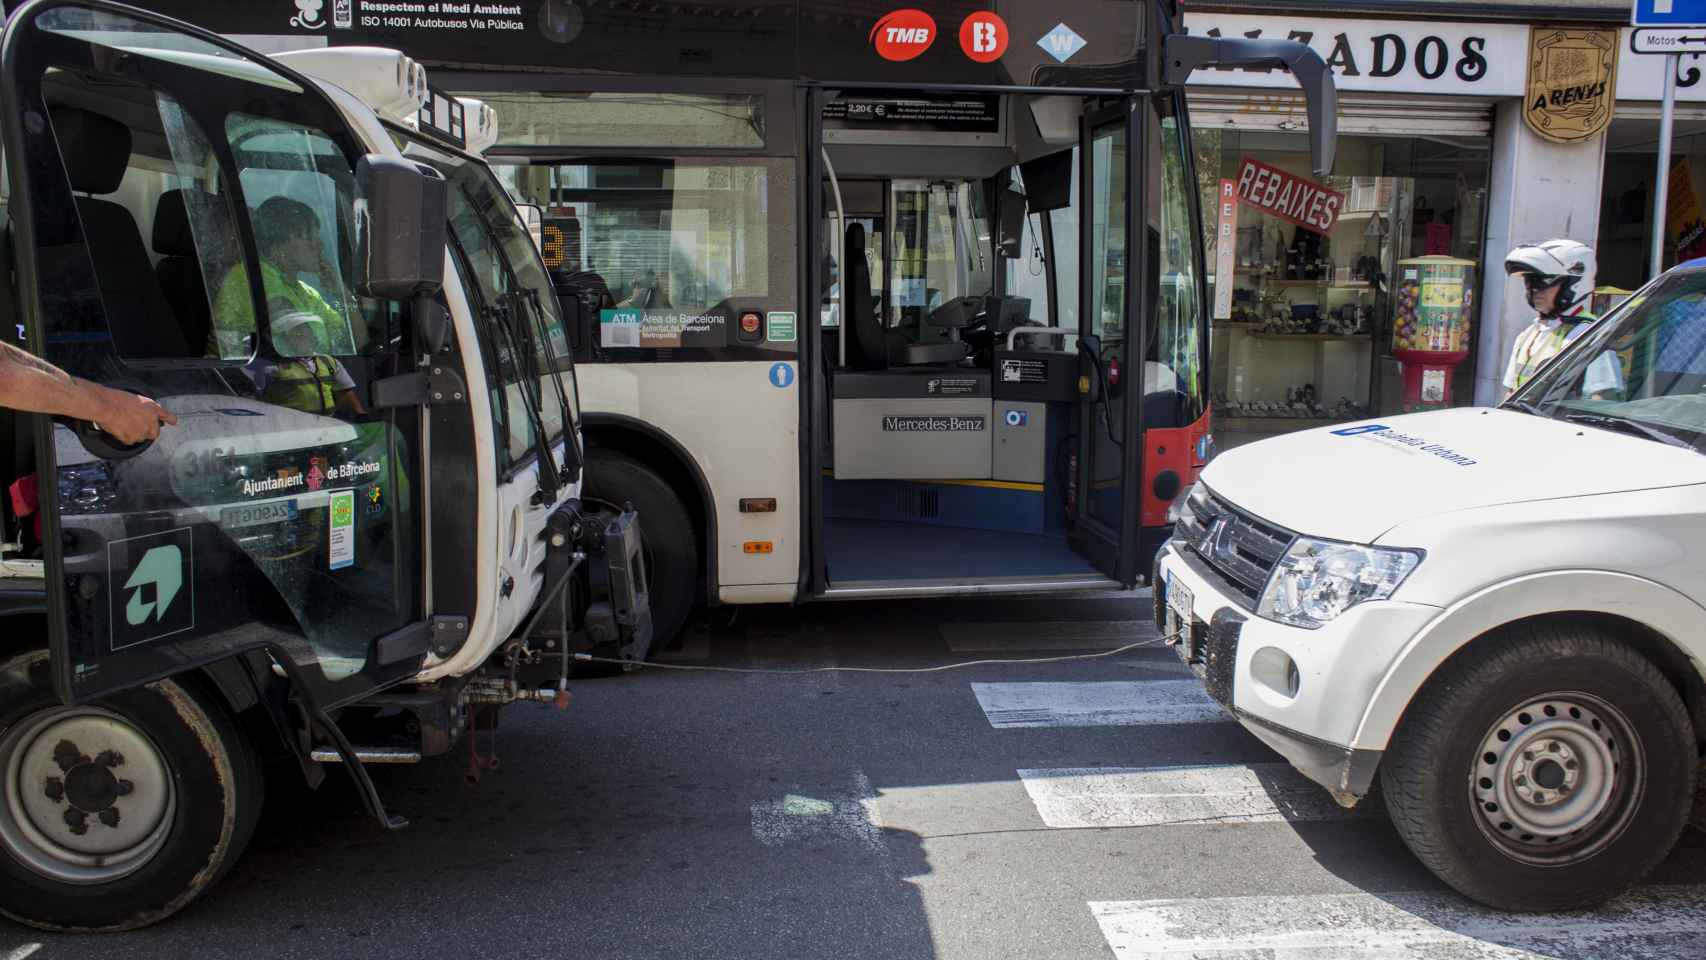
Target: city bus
875	302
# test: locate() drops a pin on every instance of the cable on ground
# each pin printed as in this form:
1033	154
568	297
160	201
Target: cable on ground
652	664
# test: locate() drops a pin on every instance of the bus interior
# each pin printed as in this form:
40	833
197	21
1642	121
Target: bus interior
964	270
966	421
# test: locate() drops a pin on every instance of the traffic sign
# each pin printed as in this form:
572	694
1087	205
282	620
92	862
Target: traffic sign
1668	40
1669	13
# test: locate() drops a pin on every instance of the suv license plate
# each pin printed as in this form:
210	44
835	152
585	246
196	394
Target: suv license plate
1179	601
255	514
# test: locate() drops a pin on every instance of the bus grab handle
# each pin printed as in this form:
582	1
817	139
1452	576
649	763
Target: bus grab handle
1061	332
1186	53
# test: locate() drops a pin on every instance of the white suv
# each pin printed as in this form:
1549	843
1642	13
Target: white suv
1498	611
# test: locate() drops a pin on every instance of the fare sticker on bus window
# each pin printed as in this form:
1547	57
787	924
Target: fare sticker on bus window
663	328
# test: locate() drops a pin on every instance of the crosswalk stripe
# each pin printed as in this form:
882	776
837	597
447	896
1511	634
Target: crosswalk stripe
1111	703
1050	635
1655	923
1160	796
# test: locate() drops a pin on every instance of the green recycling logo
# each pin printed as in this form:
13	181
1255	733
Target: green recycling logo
162	568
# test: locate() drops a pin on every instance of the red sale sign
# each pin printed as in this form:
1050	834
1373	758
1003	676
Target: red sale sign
1288	196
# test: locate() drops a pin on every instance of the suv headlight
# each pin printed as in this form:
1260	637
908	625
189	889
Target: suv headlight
1317	580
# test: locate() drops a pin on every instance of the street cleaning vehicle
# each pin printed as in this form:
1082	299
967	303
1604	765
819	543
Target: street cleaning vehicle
1499	612
364	536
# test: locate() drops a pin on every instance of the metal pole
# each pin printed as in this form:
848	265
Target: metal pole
1661	194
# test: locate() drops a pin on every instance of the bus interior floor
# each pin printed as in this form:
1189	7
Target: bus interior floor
878	550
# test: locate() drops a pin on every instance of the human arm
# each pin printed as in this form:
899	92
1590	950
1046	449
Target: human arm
33	385
343	387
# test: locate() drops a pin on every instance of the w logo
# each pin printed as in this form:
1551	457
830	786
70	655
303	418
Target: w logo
1061	42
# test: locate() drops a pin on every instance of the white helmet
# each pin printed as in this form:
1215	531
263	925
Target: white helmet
298	333
1569	261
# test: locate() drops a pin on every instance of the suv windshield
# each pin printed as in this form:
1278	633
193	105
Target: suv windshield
1641	370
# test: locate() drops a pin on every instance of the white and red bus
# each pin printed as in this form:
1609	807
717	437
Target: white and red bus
873	302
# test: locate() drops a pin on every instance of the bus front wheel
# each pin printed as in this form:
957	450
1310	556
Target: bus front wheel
668	539
116	814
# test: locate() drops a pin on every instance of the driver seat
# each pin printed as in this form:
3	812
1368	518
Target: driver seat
870	347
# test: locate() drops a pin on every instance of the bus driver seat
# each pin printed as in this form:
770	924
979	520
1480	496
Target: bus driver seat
871	347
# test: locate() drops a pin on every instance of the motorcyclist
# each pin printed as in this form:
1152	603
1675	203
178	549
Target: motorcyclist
1559	278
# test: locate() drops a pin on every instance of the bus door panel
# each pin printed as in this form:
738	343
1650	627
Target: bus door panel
1102	507
277	513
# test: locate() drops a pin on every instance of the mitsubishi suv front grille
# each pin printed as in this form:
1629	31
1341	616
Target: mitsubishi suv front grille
1239	547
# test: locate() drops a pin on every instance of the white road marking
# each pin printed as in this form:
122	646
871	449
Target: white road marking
27	950
1158	796
1114	703
1654	923
1051	635
848	816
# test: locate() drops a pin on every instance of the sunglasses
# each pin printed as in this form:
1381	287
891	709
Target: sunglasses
1537	282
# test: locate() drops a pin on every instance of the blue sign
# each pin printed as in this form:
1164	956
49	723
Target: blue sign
1359	431
1669	13
781	375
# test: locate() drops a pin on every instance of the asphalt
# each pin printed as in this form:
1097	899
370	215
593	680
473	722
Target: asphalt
719	815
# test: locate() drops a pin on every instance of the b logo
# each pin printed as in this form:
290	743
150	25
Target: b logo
983	37
903	34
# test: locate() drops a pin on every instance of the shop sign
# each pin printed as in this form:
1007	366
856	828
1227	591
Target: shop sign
1288	196
1572	83
1389	56
1226	249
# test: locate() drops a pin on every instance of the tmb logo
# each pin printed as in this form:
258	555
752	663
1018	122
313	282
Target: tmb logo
983	36
903	34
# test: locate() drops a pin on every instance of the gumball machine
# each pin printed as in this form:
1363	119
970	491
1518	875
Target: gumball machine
1433	301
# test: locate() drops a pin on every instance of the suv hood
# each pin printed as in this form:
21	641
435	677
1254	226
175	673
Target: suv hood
1358	481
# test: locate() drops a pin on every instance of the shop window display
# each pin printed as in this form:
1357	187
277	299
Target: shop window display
1308	335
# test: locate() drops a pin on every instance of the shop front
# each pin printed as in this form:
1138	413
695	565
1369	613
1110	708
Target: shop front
1392	298
1313	311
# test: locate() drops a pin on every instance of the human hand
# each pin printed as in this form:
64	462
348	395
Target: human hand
129	417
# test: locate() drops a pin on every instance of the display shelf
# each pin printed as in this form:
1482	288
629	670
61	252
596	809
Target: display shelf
1317	337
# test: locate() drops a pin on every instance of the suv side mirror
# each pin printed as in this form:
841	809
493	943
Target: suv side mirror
401	227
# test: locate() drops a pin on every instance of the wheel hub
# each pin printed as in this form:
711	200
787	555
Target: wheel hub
88	797
1554	778
1546	772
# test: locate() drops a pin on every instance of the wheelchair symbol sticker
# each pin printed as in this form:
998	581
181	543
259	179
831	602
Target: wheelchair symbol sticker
781	376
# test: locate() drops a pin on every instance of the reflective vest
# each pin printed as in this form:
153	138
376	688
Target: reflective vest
308	384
